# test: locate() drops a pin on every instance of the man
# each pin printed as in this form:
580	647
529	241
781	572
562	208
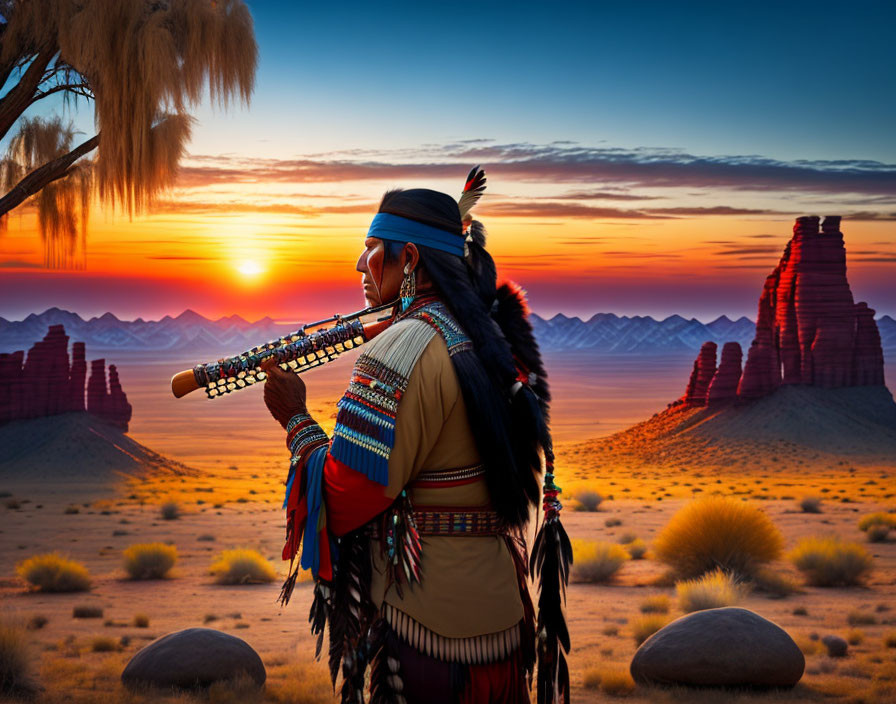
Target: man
412	516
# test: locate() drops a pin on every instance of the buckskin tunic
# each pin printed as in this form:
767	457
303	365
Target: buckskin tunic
402	426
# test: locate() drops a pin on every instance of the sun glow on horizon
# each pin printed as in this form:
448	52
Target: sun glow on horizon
250	269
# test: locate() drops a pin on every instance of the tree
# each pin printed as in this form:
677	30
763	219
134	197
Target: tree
141	64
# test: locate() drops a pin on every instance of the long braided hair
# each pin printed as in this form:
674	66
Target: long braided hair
503	429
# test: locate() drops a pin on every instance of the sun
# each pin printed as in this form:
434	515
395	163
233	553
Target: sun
249	269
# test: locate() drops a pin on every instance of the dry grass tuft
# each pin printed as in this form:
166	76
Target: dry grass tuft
596	560
636	548
87	612
53	573
16	677
103	644
877	519
170	511
242	566
298	684
140	621
890	640
709	591
718	532
860	618
775	584
830	561
149	560
659	604
810	504
645	626
588	500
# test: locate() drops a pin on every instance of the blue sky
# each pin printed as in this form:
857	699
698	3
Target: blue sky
784	80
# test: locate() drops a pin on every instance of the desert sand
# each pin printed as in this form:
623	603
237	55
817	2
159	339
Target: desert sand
232	499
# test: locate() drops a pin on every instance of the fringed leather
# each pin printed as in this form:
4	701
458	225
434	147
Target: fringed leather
475	650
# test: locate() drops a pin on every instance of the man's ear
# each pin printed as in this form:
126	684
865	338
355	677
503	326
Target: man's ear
411	257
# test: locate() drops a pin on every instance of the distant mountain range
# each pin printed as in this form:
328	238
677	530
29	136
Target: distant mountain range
604	332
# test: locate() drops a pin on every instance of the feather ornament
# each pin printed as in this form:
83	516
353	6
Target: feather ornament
473	190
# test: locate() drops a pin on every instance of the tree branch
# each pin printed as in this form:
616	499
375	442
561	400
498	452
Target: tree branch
45	174
17	100
82	89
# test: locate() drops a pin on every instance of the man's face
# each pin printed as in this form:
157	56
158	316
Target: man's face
381	280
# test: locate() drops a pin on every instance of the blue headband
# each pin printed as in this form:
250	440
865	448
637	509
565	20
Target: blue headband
386	226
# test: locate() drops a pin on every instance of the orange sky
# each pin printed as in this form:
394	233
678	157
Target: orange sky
257	242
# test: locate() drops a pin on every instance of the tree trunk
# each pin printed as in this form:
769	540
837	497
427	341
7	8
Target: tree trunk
45	174
14	103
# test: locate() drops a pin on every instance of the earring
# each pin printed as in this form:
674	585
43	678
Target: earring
408	289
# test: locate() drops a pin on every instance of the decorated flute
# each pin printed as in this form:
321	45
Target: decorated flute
296	352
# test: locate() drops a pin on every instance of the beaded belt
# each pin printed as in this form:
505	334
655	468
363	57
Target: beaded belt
444	478
457	520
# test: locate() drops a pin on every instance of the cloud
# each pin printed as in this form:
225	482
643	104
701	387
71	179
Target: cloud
226	208
559	163
604	195
716	210
540	209
19	264
740	251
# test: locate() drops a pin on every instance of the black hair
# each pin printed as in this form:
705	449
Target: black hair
509	425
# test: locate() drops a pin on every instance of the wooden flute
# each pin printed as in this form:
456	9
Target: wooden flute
308	347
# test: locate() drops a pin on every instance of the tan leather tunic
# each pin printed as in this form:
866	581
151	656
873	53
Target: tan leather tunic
468	585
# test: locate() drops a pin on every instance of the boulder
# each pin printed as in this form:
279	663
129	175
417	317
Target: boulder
724	647
194	657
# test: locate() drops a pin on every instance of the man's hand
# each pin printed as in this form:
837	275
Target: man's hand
284	392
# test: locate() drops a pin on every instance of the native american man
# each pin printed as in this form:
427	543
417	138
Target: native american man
412	515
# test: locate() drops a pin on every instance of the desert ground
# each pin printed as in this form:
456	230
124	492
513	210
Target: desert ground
232	499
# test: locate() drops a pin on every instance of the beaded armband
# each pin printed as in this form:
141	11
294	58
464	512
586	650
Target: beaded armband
303	436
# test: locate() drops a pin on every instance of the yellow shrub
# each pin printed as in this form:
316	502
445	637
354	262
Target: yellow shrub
616	682
645	626
53	573
242	566
877	519
636	548
709	591
596	560
658	604
829	561
718	532
149	560
16	678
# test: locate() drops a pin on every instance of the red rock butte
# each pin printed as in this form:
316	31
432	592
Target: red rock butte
809	331
45	383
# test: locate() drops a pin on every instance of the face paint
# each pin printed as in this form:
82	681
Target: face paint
370	264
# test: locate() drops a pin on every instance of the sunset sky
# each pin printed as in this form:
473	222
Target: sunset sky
642	158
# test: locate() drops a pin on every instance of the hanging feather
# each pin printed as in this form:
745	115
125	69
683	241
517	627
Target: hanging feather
473	190
386	685
351	615
549	564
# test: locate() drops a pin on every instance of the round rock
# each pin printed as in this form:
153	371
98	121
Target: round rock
726	647
194	657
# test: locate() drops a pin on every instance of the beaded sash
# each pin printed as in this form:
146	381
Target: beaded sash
460	521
